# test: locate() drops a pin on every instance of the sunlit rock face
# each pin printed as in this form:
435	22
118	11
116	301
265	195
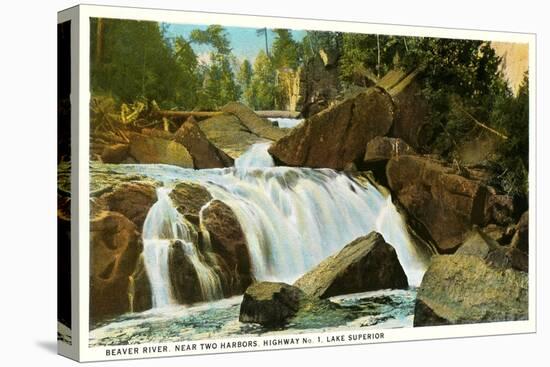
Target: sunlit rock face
515	62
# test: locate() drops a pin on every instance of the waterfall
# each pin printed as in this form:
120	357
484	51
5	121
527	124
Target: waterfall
292	218
162	227
257	156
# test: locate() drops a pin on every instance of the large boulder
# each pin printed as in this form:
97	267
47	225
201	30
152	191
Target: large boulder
114	253
115	153
140	288
366	264
462	289
132	199
410	122
204	153
189	198
221	237
337	136
445	203
521	235
270	304
234	131
227	240
483	246
148	149
184	279
257	125
499	208
319	83
228	134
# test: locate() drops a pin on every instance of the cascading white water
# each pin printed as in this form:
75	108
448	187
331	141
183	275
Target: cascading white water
256	157
164	225
293	218
288	123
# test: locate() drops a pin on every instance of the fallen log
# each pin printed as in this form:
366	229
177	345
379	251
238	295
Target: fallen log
278	114
184	115
207	114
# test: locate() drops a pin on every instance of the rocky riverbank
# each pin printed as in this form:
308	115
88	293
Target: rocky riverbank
478	235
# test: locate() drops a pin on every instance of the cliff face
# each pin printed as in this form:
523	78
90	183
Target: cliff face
515	61
319	84
290	81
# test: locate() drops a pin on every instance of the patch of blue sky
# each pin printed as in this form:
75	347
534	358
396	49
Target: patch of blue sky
245	42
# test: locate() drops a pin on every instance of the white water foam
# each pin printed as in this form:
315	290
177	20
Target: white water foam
164	225
293	218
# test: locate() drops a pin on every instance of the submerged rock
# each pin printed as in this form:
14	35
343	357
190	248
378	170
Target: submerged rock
148	149
463	289
337	135
270	304
366	264
445	203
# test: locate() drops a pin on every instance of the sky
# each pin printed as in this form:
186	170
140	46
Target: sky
244	41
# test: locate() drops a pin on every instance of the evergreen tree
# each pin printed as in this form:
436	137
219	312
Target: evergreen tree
244	76
259	94
219	86
286	52
131	59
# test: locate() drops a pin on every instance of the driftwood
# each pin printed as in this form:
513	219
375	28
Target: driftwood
186	114
206	114
278	114
481	124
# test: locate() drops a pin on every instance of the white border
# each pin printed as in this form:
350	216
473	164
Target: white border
178	16
72	351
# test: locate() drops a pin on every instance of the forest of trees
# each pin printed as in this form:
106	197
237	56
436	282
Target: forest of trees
460	79
134	60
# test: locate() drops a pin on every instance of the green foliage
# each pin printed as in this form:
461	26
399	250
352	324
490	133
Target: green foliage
511	116
366	57
262	32
244	76
219	85
186	59
214	36
463	85
259	95
320	40
286	51
131	59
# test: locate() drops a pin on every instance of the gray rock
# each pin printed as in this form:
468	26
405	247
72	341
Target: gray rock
521	236
462	289
366	264
147	149
339	134
382	148
270	304
443	202
483	246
